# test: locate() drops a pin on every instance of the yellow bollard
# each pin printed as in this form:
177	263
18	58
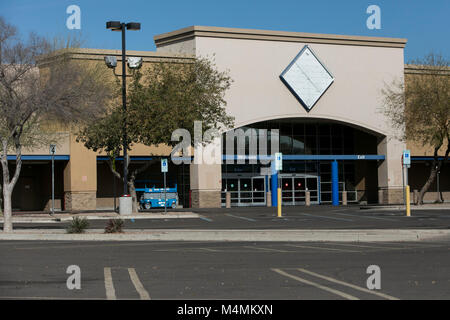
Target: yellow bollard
408	205
279	202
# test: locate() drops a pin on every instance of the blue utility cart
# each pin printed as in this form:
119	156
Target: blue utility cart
154	197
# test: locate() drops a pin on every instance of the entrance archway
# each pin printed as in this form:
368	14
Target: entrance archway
309	148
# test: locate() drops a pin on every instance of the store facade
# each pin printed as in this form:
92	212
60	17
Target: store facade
320	93
323	94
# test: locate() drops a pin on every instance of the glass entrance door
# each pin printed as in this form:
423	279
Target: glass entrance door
245	191
294	187
299	190
259	191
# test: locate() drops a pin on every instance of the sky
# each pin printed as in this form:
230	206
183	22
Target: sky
424	23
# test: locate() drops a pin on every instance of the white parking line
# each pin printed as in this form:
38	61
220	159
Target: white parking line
265	249
320	248
366	246
239	217
138	285
324	217
348	284
314	284
208	249
361	216
110	292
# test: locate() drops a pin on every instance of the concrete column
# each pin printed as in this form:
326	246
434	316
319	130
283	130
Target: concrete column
228	199
390	170
380	196
206	176
308	198
344	198
269	199
80	178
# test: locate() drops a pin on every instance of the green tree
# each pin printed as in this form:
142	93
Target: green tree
165	97
419	108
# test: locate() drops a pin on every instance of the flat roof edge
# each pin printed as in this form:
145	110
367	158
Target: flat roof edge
99	54
269	35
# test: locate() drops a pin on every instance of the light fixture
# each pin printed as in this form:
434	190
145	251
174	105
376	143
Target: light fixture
133	26
114	25
111	61
134	62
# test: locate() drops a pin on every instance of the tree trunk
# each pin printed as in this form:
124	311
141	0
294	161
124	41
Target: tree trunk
8	184
1	201
428	183
132	186
435	167
132	189
7	211
130	182
7	215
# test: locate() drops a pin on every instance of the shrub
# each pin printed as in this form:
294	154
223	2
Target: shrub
114	226
78	225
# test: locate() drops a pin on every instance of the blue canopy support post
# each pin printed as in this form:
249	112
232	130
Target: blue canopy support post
274	188
266	188
335	183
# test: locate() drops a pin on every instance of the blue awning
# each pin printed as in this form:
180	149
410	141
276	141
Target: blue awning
58	157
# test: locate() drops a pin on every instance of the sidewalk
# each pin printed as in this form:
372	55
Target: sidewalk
62	217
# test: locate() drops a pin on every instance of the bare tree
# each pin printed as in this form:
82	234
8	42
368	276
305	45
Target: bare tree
419	107
34	100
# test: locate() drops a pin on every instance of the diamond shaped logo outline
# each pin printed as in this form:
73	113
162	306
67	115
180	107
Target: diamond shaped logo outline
306	50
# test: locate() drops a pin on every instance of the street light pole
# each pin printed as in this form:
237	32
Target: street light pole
122	26
124	102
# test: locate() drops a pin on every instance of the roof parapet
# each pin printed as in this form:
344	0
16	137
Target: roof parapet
268	35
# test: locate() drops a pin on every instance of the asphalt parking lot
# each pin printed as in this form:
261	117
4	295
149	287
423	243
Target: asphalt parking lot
318	217
220	270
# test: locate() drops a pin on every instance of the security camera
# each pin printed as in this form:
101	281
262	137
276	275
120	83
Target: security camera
111	61
134	62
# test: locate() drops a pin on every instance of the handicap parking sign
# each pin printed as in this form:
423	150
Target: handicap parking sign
407	157
278	161
164	165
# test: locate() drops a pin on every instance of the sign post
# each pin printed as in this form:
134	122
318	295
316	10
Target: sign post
278	168
52	152
407	164
164	169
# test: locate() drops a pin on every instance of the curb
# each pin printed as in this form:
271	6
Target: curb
137	217
128	217
391	235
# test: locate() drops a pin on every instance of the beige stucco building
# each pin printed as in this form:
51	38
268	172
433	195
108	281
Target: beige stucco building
342	135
